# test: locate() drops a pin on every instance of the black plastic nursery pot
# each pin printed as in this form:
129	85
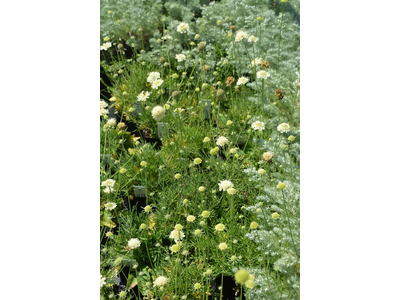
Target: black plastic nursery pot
230	290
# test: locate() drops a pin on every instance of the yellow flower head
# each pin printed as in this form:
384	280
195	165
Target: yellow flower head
178	227
281	186
275	216
191	218
242	276
253	225
223	246
220	227
205	214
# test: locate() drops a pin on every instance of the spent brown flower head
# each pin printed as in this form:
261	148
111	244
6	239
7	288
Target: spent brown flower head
279	93
264	64
230	80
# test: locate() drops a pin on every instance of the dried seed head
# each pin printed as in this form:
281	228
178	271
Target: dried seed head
279	93
264	64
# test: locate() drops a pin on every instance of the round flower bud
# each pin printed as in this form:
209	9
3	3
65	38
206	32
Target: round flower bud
281	186
178	227
291	138
202	188
205	214
253	225
178	176
197	161
261	171
275	216
231	191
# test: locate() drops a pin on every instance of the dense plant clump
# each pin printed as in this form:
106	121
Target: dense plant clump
200	150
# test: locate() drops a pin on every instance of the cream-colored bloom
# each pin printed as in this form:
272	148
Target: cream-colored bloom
252	39
158	113
256	61
180	57
220	227
108	190
156	84
153	76
222	141
206	139
110	205
258	125
223	246
240	35
263	74
261	171
108	183
161	281
191	218
111	122
133	244
242	80
176	235
225	184
284	127
231	191
183	27
267	156
205	214
202	189
105	46
102	281
143	96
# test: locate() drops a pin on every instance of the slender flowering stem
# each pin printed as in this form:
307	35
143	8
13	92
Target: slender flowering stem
280	34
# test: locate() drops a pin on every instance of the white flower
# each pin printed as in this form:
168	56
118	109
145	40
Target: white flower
105	46
180	57
156	84
160	281
111	122
103	112
176	235
102	281
143	96
183	27
153	76
222	141
240	35
110	205
103	104
224	185
263	74
258	125
256	61
158	113
167	37
108	190
133	244
284	127
108	183
242	80
252	39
